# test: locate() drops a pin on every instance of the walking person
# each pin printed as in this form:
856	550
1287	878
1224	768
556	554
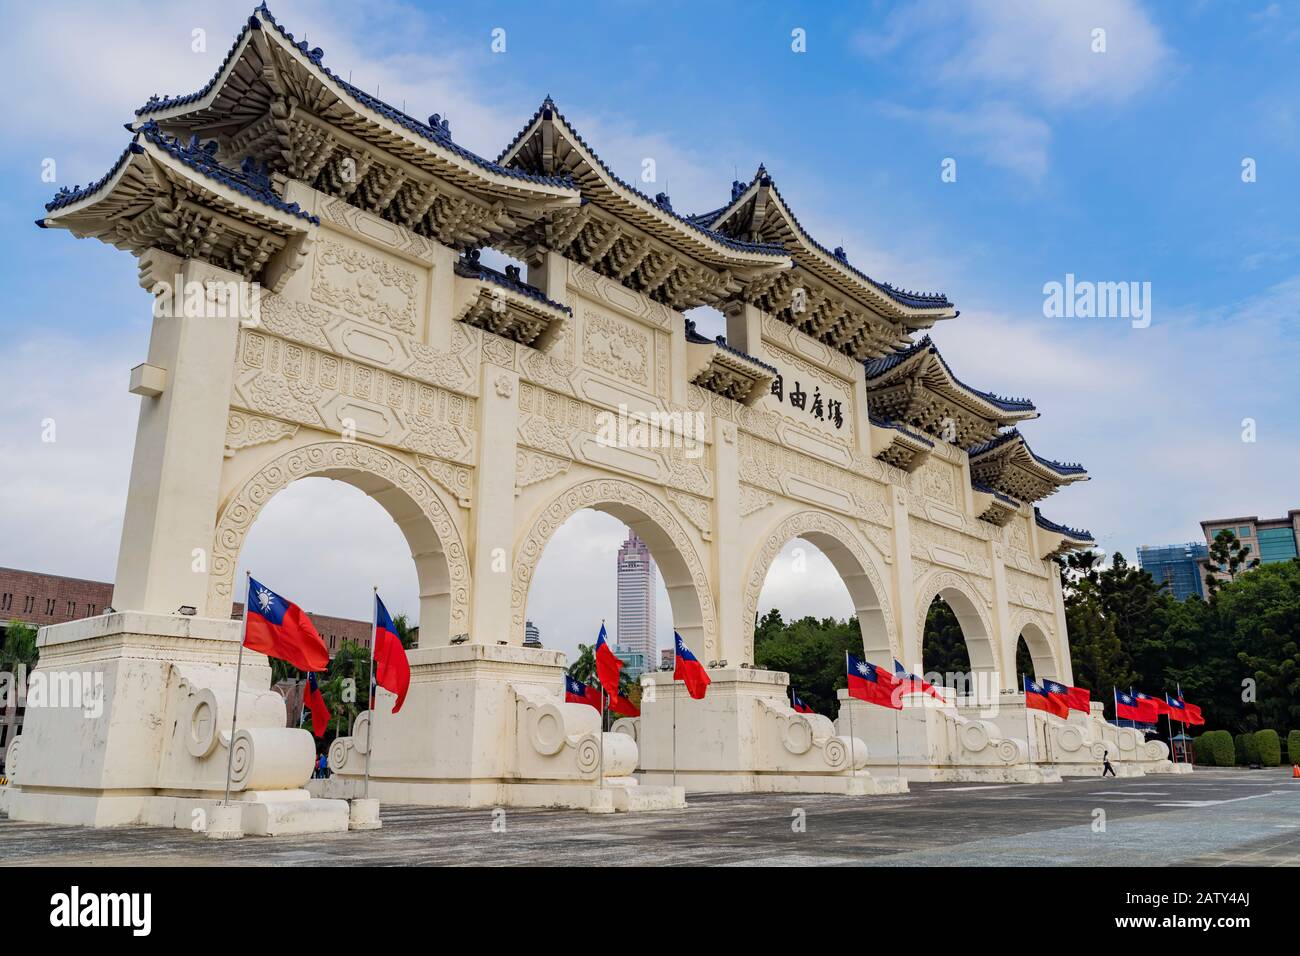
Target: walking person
1106	768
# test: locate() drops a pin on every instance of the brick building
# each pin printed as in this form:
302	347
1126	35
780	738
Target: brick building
40	599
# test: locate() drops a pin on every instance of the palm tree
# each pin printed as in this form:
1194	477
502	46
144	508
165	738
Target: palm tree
19	646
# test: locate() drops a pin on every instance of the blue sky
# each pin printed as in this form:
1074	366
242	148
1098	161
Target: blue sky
1123	165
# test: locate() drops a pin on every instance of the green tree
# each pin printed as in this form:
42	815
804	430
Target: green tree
812	652
1229	556
943	647
18	647
1258	619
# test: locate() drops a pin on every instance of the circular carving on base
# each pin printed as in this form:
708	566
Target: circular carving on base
836	752
1007	750
339	751
241	760
546	730
974	736
361	732
589	753
1070	738
797	735
199	723
11	758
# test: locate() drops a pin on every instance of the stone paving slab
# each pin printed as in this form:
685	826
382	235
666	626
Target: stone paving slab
1211	818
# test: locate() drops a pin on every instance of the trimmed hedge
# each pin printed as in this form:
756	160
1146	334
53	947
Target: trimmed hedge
1293	747
1214	748
1268	747
1247	752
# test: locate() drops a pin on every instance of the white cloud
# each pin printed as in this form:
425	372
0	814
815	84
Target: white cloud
999	132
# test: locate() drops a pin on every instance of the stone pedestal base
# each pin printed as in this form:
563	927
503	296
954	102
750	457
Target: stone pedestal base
1167	766
928	741
486	725
363	815
744	737
140	733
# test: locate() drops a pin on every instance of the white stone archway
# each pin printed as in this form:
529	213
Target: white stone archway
1037	636
682	570
436	548
968	606
857	568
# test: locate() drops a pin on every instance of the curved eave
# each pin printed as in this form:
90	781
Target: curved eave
398	134
1059	473
939	377
1070	537
823	263
99	204
601	186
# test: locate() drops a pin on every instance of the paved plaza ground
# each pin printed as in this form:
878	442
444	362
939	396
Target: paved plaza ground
1211	818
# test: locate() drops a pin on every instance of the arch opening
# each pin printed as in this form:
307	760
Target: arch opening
957	647
1034	654
441	571
680	571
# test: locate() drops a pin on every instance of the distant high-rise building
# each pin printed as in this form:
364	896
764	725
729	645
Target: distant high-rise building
532	635
1270	539
636	600
667	658
1177	564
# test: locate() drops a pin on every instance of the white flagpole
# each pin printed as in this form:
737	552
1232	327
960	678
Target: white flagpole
239	667
674	687
600	737
371	692
1029	725
848	702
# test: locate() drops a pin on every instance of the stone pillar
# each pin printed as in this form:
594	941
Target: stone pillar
1061	639
745	328
172	500
442	299
728	549
492	517
1004	642
908	639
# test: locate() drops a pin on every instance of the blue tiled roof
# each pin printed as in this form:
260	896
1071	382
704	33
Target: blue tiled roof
1060	467
915	300
877	367
988	490
890	423
437	130
249	180
549	110
470	267
1076	533
721	342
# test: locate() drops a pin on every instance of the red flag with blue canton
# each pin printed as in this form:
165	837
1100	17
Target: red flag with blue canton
799	706
607	663
1074	698
315	701
1160	706
868	682
1128	707
579	693
281	629
913	684
1037	698
1177	711
688	670
1193	713
623	707
392	669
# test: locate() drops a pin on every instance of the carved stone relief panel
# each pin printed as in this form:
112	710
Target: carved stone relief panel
366	284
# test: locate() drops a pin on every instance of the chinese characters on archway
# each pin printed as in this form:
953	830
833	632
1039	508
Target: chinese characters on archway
824	410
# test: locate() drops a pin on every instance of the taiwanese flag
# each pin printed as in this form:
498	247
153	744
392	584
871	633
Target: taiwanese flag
1177	710
1159	706
688	670
623	707
913	684
392	669
315	701
1037	698
868	682
577	693
607	663
799	706
1074	698
1193	713
1128	707
282	630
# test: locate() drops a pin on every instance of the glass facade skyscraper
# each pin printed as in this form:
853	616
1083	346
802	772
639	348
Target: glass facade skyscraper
1177	564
